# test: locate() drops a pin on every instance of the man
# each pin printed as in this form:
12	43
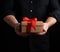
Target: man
45	10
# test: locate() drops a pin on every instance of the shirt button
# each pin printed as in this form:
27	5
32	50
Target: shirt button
30	1
30	10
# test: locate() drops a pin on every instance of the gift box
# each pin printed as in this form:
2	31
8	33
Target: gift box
39	25
31	25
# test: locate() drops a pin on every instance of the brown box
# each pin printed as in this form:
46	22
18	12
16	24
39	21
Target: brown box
39	25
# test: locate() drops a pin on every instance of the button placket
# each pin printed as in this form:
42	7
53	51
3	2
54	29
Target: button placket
30	8
31	5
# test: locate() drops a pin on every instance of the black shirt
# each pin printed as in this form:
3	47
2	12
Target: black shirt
31	8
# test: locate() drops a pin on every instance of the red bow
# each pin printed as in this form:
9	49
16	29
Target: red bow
31	23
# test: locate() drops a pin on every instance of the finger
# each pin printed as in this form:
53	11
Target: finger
42	33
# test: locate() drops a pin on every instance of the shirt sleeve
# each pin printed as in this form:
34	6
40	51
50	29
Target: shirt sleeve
54	9
7	8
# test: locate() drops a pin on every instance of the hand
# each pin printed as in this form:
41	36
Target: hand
44	29
17	30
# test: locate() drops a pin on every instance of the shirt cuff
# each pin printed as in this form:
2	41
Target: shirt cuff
6	13
55	14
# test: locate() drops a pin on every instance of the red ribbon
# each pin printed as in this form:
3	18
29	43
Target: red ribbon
31	23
